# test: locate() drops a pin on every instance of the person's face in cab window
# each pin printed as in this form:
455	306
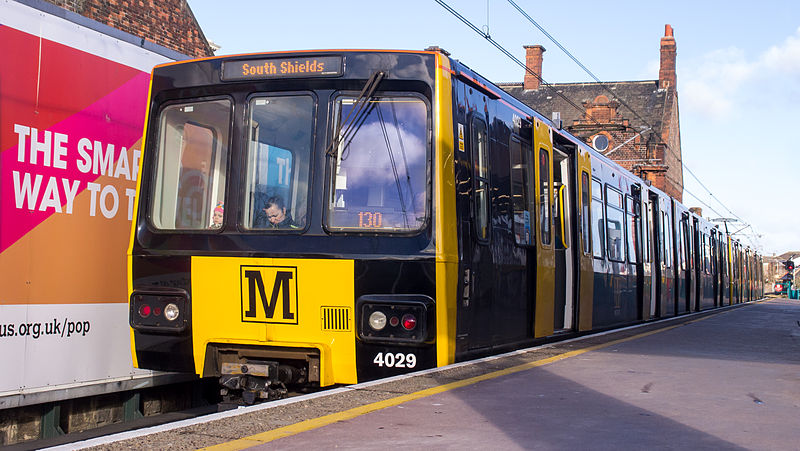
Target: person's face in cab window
275	215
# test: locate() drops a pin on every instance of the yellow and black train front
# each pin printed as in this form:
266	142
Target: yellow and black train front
286	223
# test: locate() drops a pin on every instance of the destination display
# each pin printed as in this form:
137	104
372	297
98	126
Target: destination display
318	66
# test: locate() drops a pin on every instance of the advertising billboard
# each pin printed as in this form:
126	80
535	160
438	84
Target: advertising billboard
72	107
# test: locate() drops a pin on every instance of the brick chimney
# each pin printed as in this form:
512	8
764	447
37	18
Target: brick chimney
666	73
533	61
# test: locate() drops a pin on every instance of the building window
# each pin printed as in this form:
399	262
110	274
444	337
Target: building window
600	142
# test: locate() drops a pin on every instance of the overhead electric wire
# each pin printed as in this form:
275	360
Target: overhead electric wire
512	57
635	113
603	85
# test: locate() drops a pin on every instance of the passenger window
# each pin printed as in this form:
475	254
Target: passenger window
715	252
598	220
585	216
666	237
480	161
646	232
615	225
631	212
683	243
544	195
520	184
192	161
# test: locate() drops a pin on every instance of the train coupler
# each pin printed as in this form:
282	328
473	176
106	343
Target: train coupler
251	382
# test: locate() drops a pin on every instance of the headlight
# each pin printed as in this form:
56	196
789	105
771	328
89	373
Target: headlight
171	312
377	320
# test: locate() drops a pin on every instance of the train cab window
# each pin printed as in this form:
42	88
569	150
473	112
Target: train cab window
520	185
192	157
379	181
544	195
615	225
480	161
585	213
278	162
598	220
631	212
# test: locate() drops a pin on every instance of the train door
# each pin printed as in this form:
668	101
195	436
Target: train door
543	323
736	282
725	270
657	238
648	269
565	253
668	273
523	205
748	271
698	263
475	312
683	261
585	258
643	280
715	273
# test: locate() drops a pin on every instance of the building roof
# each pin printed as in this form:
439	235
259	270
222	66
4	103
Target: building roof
644	97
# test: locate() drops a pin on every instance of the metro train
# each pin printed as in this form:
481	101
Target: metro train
314	218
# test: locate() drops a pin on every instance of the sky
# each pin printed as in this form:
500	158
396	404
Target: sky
738	71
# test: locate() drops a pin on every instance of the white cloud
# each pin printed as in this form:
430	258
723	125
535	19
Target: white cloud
786	57
723	80
712	86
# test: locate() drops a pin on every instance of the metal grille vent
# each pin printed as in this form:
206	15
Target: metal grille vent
336	319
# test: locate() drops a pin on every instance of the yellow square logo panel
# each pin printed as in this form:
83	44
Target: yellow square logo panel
269	294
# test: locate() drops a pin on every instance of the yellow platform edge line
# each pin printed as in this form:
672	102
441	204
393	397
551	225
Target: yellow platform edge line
314	423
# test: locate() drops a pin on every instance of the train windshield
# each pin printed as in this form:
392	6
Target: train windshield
379	181
278	162
192	156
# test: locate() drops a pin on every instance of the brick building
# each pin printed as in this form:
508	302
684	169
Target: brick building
635	123
169	23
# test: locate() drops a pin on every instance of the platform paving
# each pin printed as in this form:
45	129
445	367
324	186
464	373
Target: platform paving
726	379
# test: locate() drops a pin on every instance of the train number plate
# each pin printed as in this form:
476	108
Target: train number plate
395	360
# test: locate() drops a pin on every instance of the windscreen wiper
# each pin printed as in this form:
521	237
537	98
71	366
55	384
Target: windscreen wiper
358	112
394	165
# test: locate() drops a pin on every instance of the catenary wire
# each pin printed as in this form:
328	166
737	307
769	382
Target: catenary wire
635	113
603	85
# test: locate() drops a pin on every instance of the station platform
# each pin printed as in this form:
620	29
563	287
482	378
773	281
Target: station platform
721	379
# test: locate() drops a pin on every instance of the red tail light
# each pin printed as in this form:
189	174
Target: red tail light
409	322
144	311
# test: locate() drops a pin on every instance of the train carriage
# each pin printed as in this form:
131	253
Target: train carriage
331	217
